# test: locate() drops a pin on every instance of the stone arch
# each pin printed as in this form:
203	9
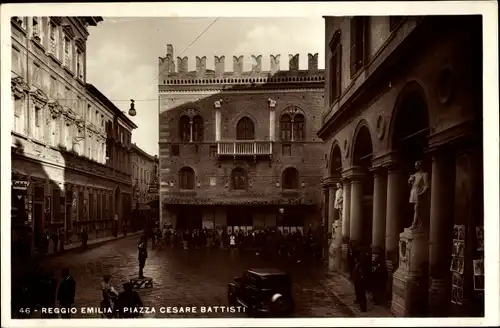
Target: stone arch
242	114
335	160
290	178
362	144
187	178
410	125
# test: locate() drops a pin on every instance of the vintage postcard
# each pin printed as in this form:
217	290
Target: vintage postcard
170	161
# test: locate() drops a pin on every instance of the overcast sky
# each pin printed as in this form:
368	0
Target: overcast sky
122	58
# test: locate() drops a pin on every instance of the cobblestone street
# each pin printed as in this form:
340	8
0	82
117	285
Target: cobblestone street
195	277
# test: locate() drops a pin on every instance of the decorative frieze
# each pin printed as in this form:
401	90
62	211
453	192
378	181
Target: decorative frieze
39	97
55	108
19	87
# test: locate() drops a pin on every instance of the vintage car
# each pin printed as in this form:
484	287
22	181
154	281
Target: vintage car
263	292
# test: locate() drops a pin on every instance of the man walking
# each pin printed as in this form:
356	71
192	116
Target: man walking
66	291
143	255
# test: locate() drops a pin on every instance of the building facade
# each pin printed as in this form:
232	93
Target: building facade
238	149
71	164
400	90
145	182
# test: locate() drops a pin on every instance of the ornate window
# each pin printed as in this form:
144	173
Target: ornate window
79	64
286	127
184	129
245	129
36	28
290	178
238	179
298	127
197	128
67	52
292	124
186	178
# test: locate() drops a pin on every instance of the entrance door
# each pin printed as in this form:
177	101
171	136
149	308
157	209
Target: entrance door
189	218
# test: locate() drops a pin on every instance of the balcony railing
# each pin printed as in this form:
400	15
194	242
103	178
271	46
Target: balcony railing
244	148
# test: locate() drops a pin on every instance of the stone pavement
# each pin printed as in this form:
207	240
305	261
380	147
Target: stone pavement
199	277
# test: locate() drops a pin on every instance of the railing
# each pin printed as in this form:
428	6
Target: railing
244	148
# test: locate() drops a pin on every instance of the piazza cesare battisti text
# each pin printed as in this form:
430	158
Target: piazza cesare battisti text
146	310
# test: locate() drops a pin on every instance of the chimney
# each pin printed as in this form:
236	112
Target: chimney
182	64
170	51
238	64
257	64
294	62
312	62
275	63
201	65
220	65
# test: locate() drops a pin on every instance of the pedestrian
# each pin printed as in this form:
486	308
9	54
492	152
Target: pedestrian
378	280
66	292
143	254
85	239
128	299
358	279
46	292
55	240
62	239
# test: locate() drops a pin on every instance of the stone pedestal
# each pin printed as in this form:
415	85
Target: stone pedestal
336	246
408	292
344	264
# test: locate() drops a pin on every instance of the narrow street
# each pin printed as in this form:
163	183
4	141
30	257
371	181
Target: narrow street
195	277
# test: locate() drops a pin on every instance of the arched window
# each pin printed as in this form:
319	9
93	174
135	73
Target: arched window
245	129
290	178
197	128
186	178
298	127
184	128
238	179
286	127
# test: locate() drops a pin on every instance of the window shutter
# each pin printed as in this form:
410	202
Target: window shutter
338	71
353	46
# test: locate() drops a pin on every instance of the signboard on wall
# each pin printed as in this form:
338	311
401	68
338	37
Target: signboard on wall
208	225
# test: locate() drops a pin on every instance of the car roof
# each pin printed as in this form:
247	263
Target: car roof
266	272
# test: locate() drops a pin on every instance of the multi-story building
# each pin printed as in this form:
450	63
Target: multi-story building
145	168
70	145
239	149
400	90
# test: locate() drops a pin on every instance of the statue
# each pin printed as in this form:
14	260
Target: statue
339	199
419	186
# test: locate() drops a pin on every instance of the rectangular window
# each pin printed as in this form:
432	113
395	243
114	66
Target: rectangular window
335	68
287	150
99	206
66	59
36	74
79	64
38	123
96	118
174	149
36	28
358	43
56	198
53	40
16	61
53	87
89	113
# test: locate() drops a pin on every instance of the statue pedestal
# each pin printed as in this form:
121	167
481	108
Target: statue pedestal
408	292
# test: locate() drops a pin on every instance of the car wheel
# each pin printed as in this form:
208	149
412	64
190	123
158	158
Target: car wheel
281	306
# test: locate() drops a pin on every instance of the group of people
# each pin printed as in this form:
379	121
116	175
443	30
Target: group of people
287	243
368	275
40	289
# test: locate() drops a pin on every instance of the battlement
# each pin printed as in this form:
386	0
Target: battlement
177	72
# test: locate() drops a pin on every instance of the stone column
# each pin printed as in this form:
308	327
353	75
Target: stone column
356	228
394	212
440	228
379	211
272	119
346	223
217	124
394	207
331	210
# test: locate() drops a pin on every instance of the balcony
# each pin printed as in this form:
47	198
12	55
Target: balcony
244	148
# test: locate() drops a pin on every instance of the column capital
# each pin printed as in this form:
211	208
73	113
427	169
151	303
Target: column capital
329	182
387	160
353	173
